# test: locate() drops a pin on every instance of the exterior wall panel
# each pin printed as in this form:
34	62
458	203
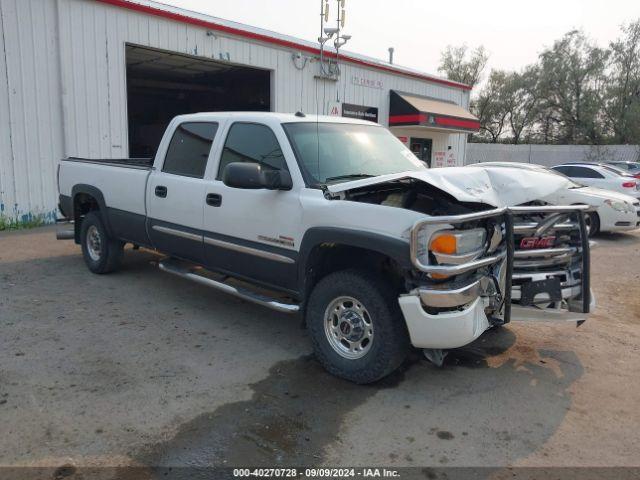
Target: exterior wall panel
30	108
63	86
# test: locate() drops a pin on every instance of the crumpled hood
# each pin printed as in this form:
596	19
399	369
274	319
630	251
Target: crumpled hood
498	187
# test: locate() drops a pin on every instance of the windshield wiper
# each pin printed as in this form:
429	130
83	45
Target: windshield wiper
350	176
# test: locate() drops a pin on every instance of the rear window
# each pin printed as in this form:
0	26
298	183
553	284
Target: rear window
578	172
189	149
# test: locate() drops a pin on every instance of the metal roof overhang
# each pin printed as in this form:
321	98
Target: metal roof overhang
413	111
225	26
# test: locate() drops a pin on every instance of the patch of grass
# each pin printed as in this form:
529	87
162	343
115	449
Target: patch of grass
8	223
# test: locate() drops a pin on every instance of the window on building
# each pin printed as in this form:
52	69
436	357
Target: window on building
189	149
252	143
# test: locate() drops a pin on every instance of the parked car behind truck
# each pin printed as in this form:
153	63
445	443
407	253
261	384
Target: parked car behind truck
612	212
336	219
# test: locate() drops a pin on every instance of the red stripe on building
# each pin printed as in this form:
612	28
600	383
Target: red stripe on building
273	40
413	118
458	123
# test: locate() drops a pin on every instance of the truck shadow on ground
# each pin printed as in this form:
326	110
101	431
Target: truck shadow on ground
299	410
495	401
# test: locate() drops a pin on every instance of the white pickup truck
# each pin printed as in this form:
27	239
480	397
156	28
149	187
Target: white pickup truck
336	219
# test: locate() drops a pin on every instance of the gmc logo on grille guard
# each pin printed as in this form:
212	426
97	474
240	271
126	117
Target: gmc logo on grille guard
528	243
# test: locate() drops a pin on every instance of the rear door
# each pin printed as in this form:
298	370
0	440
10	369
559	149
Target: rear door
176	191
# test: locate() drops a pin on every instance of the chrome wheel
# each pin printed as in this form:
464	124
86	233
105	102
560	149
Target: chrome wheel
94	243
348	327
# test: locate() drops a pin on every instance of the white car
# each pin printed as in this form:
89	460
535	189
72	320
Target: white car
615	212
601	176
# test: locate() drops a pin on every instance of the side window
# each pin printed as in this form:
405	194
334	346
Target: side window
585	172
189	149
253	143
565	171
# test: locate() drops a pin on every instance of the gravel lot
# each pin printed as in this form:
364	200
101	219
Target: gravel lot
140	367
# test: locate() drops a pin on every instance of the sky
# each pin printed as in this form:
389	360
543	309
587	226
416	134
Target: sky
514	32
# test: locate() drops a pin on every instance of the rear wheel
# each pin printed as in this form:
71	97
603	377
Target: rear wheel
592	222
356	326
101	253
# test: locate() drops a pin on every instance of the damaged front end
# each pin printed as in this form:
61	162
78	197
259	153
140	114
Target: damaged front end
527	263
463	278
551	266
480	258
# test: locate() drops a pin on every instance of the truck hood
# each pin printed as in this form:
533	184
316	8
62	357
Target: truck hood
498	187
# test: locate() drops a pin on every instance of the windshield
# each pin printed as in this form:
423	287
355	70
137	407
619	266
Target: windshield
339	152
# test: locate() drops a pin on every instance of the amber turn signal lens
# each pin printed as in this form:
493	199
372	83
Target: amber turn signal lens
445	244
439	276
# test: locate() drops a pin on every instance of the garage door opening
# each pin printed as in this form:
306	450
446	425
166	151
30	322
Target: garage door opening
162	84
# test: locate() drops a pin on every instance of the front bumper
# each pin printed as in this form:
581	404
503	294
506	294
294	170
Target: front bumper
450	329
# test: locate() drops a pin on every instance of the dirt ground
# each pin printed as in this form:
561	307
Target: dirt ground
143	368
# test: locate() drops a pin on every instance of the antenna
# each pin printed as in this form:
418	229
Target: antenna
331	70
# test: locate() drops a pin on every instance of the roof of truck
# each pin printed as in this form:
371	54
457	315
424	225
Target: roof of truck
279	117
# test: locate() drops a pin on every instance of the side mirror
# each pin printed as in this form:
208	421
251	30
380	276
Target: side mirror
253	176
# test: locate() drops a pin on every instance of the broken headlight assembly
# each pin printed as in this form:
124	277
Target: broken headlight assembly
451	247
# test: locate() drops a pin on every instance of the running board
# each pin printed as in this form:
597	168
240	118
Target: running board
188	271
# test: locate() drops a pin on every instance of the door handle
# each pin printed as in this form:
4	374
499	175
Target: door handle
214	199
161	191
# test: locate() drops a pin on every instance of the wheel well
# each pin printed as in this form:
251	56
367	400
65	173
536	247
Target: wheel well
83	203
327	258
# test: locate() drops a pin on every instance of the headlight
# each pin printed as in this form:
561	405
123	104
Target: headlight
619	206
458	242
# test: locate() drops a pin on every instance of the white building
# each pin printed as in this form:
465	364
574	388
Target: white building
102	78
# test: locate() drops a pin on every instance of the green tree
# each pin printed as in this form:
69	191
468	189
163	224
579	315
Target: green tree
490	106
463	65
622	98
572	74
522	102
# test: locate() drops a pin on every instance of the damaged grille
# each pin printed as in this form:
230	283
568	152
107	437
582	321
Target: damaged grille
551	257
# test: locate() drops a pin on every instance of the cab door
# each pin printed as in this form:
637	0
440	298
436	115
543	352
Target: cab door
176	192
253	233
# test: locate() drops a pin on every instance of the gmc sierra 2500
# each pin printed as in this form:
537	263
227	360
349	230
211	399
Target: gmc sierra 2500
337	219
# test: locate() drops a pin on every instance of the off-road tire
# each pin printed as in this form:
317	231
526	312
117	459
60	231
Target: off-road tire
390	344
111	249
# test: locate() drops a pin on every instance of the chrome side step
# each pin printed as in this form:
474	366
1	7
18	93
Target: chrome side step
189	271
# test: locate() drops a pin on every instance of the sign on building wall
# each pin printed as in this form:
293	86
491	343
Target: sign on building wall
360	112
367	82
334	109
439	159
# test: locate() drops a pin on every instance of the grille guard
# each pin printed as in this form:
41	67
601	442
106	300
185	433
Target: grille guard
508	247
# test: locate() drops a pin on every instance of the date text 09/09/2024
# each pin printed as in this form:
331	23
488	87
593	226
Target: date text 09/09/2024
329	473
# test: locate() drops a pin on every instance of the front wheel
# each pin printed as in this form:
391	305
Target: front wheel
356	326
101	253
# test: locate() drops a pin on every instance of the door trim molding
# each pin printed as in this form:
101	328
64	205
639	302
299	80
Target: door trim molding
177	233
248	250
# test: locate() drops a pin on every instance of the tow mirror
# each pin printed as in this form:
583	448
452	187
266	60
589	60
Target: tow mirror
253	176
